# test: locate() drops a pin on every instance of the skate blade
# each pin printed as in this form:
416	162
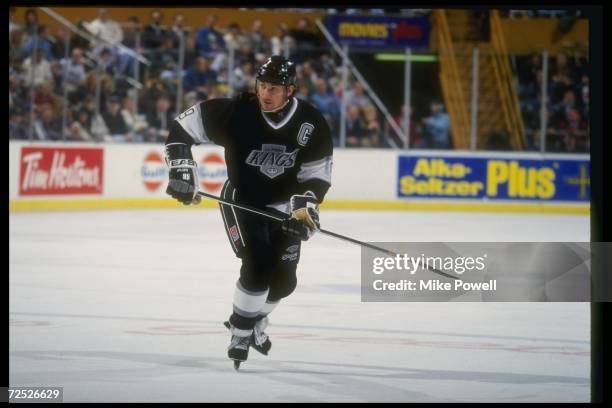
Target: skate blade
237	365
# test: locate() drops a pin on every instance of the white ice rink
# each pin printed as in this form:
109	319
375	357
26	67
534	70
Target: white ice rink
127	306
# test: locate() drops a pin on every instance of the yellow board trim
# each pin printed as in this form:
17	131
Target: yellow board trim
147	203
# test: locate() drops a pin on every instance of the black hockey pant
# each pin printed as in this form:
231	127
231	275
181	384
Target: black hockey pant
269	260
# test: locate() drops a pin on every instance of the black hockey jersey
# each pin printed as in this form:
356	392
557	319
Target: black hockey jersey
267	162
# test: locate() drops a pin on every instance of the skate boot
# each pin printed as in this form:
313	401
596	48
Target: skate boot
238	349
259	339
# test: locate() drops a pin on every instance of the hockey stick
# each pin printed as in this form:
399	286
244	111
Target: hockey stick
332	234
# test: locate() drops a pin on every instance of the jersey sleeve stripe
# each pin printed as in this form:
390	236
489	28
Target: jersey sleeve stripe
193	124
318	169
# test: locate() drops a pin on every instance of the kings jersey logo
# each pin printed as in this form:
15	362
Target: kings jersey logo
272	159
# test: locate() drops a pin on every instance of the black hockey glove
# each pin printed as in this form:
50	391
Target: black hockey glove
183	184
304	221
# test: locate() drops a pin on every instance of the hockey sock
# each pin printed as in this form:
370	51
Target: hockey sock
267	308
247	305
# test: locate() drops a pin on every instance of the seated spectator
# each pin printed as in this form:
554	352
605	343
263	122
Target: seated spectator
47	126
117	128
153	89
43	41
209	39
566	104
136	124
356	128
437	127
105	28
125	61
169	75
259	41
178	30
85	90
244	77
191	52
373	134
308	74
416	137
571	134
326	66
282	43
107	61
59	44
307	42
577	132
245	53
16	44
160	57
73	70
107	89
154	34
78	130
58	78
17	124
234	36
304	93
31	22
44	96
562	77
199	76
357	97
88	106
159	121
327	103
76	40
18	93
77	133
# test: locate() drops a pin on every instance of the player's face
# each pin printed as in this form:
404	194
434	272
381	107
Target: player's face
271	96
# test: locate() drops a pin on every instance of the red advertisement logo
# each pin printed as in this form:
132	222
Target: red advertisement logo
212	172
153	171
61	170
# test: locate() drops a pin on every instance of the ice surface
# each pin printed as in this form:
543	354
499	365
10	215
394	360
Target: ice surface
127	306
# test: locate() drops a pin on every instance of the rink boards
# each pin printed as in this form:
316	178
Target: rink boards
76	176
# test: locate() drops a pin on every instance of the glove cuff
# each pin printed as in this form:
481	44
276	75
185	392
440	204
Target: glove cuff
303	201
176	151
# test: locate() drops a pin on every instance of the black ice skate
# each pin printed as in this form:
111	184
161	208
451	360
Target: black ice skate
238	349
259	340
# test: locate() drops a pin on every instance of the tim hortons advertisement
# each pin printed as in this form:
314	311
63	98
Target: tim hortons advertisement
60	171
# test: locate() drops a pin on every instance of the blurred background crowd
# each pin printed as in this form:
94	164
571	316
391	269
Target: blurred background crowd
94	92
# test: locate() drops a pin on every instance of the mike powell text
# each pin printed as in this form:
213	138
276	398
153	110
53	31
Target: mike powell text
410	264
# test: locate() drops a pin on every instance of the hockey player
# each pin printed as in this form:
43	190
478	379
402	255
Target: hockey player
278	151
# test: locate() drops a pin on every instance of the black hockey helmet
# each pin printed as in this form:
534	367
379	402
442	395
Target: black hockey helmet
277	70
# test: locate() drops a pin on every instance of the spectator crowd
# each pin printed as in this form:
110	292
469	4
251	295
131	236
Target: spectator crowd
567	102
96	92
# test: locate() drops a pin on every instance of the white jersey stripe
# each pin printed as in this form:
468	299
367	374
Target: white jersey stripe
191	121
318	169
